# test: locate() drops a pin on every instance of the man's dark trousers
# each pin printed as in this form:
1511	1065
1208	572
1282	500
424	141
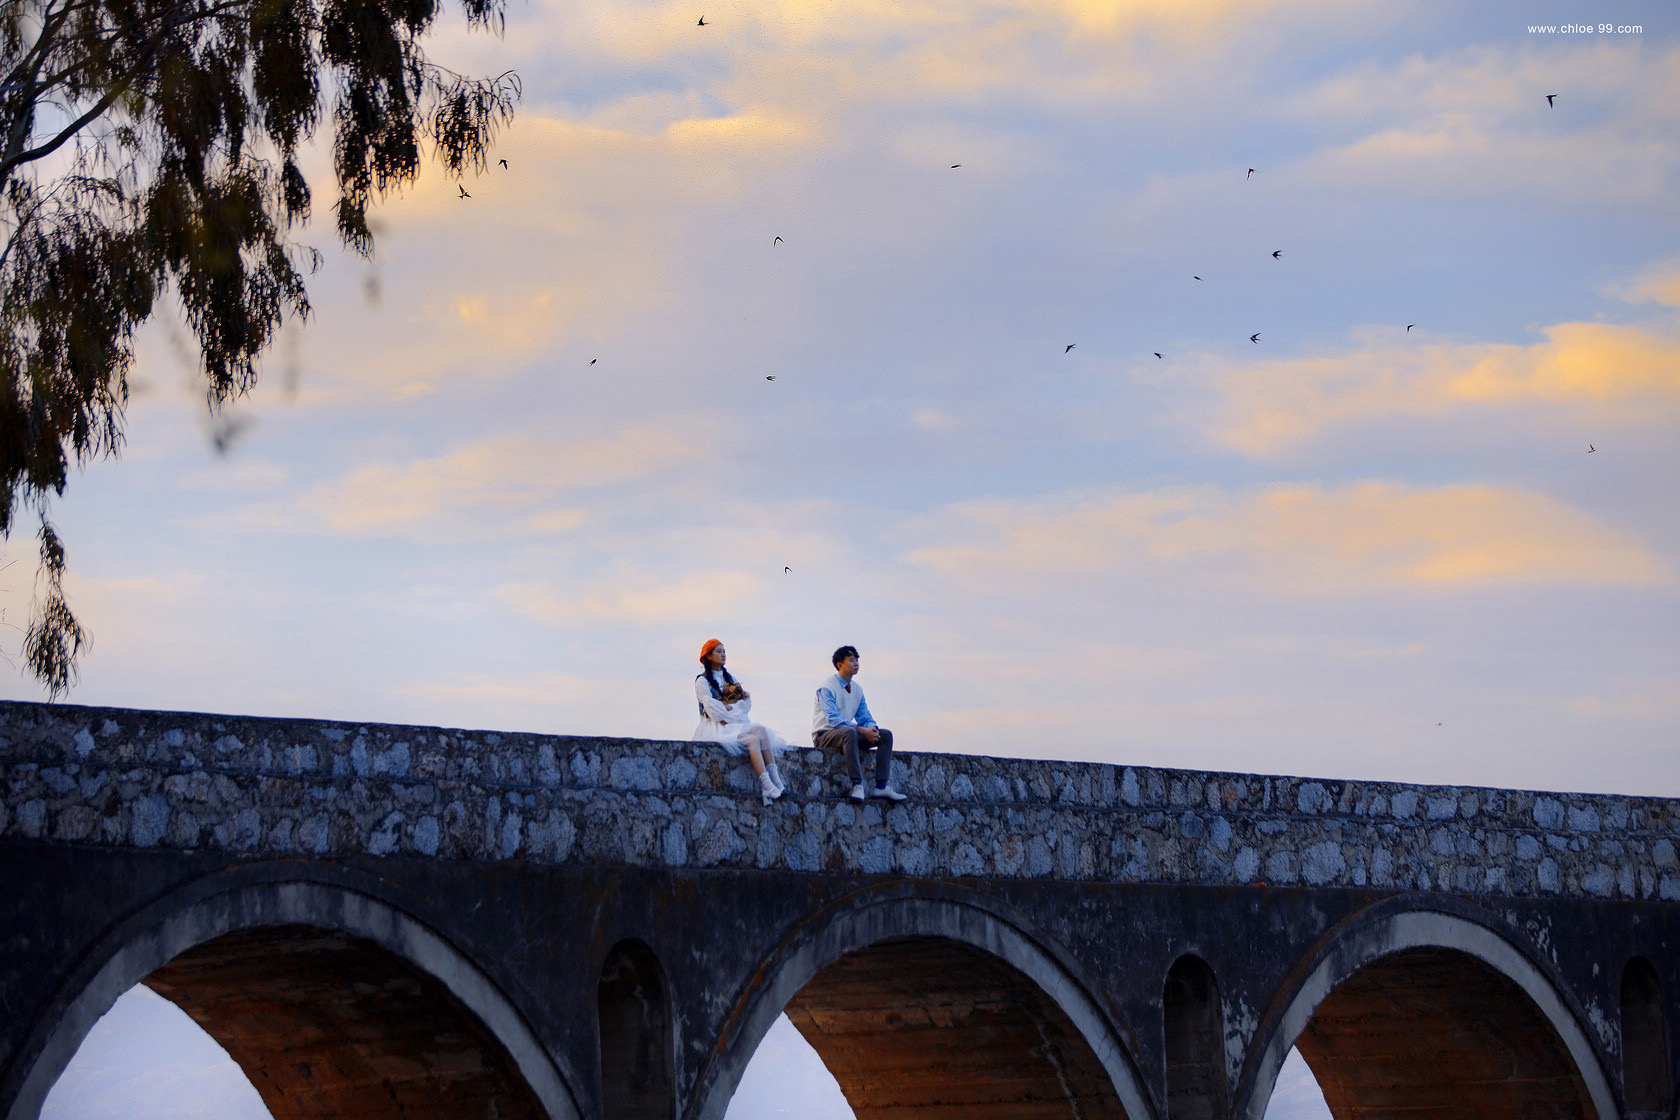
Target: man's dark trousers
848	739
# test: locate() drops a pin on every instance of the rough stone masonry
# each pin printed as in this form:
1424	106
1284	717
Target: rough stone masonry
142	779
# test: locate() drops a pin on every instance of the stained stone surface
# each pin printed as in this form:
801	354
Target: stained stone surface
117	777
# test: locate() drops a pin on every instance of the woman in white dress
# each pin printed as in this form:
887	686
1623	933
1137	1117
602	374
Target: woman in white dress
726	719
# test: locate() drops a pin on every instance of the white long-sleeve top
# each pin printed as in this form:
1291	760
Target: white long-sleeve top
727	724
713	710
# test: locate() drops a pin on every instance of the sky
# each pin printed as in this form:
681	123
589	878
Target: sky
1361	464
514	471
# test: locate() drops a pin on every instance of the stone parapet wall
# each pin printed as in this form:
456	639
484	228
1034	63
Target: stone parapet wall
272	787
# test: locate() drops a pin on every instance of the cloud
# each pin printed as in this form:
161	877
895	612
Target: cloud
1621	372
695	597
1305	539
1658	284
504	475
1476	122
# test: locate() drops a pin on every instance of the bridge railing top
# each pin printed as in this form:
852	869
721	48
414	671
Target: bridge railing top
89	775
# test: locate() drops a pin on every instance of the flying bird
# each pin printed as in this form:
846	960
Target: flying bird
1196	278
503	162
463	191
1069	347
1277	254
770	377
225	431
702	22
954	166
776	242
786	569
1549	97
1250	174
592	361
1255	338
1157	353
1409	327
1591	449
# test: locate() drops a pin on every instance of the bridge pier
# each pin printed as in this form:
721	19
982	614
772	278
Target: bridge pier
1193	1025
638	1057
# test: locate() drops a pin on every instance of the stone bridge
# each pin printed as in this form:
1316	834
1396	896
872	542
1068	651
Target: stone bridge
381	921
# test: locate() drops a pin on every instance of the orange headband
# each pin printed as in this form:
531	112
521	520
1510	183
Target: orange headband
706	650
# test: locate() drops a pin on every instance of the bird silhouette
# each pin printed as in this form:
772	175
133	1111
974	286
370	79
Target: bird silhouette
1250	174
1157	353
770	377
1549	97
786	569
954	166
1591	449
592	361
776	242
503	162
702	22
1255	338
1196	278
1277	254
225	431
463	191
1409	327
1069	347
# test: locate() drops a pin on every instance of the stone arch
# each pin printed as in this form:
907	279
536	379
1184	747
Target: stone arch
1193	1029
1647	1085
323	944
637	1049
869	963
1427	973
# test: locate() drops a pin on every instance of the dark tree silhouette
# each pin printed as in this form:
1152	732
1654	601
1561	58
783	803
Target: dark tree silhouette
149	147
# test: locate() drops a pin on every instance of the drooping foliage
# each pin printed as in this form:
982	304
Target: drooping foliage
150	147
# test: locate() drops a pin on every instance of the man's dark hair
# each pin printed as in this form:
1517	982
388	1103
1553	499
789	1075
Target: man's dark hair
844	652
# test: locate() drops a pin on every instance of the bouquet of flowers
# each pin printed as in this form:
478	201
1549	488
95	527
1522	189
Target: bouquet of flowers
732	694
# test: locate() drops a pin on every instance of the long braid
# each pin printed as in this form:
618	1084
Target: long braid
711	682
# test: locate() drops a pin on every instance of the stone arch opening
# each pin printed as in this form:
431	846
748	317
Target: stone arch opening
1194	1026
638	1057
1647	1084
1435	1032
1423	1013
952	959
332	1002
914	1024
327	1024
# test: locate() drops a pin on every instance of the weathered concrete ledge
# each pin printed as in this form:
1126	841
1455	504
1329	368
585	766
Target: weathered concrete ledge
269	787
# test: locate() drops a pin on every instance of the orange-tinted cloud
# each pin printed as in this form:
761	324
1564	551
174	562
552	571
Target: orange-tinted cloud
646	601
1621	372
504	475
1308	539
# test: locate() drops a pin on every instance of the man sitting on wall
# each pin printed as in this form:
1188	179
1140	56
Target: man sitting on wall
842	718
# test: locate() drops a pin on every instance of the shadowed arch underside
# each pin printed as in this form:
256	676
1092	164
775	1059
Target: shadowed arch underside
1427	1033
932	1029
326	1024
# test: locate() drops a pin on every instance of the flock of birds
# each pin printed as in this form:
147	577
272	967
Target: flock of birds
1277	254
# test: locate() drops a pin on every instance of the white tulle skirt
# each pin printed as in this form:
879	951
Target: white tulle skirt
730	736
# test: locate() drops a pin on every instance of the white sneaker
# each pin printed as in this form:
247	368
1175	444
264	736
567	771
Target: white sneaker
888	792
857	792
